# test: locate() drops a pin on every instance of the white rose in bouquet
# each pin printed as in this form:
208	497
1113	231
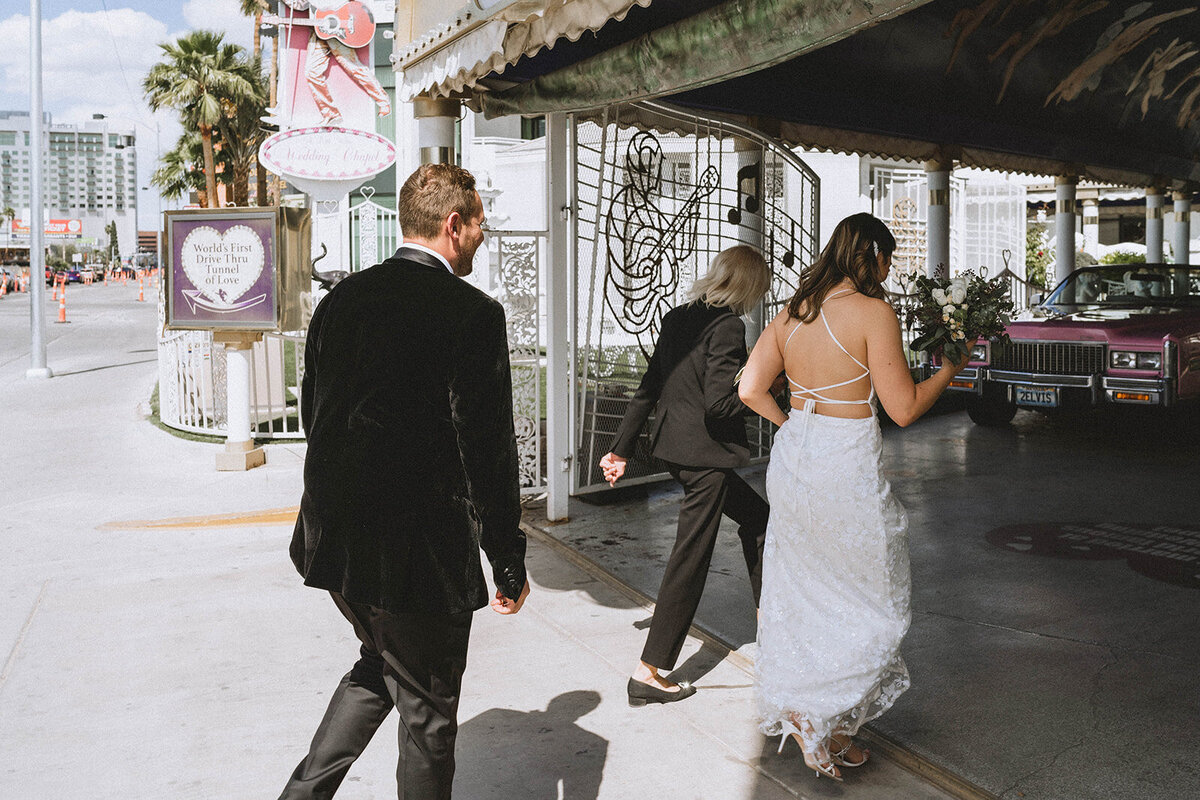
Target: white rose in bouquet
940	297
958	292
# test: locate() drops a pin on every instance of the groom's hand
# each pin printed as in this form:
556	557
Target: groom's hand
505	605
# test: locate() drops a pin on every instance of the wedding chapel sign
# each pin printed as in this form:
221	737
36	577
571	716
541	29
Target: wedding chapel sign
238	269
327	161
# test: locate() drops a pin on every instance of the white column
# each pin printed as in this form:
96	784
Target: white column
1064	226
1181	232
559	269
1091	226
237	393
240	453
435	129
750	172
1154	224
937	227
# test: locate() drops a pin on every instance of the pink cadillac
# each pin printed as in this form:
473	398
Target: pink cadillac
1125	333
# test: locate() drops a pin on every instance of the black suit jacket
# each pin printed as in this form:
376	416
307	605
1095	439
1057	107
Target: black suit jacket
412	460
700	421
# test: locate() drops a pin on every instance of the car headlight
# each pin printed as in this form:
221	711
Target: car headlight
979	353
1128	359
1122	359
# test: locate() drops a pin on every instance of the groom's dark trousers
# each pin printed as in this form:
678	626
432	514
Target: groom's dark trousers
411	662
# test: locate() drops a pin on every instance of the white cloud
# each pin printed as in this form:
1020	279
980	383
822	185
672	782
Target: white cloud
87	57
94	63
221	15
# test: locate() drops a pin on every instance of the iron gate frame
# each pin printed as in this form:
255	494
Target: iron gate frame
584	450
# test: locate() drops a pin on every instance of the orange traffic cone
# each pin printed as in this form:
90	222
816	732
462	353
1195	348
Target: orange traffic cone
54	283
141	295
62	304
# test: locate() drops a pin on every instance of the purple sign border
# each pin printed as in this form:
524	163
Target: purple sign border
184	312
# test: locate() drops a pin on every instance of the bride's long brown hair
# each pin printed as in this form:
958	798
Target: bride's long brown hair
850	253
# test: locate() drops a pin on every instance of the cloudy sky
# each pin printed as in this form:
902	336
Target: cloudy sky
94	56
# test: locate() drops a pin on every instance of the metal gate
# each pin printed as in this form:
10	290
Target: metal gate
374	232
510	267
900	197
659	193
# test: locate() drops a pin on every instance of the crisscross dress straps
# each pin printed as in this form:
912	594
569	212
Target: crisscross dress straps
814	395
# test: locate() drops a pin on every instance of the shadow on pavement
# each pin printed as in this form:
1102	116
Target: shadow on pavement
558	758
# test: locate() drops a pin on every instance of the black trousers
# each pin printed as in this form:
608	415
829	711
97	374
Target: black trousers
413	663
707	493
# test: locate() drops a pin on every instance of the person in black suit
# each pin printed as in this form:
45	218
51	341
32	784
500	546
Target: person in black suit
411	468
699	430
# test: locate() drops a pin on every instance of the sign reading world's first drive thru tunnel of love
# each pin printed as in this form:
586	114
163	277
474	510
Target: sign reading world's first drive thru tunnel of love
223	271
236	269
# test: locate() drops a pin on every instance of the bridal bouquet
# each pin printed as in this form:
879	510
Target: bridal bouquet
953	314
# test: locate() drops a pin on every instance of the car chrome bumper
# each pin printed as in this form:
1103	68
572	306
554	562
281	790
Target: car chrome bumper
1137	391
970	381
1140	391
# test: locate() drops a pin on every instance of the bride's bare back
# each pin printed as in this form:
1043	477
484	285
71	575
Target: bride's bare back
869	331
825	359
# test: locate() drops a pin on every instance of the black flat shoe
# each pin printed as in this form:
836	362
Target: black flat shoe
642	693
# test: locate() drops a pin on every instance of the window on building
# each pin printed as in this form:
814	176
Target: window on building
533	127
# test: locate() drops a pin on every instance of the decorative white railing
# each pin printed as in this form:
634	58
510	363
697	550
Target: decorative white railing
191	384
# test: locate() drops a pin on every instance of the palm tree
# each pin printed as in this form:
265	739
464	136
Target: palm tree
199	75
181	169
8	214
255	8
242	133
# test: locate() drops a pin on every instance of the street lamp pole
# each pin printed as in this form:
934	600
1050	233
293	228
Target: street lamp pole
37	255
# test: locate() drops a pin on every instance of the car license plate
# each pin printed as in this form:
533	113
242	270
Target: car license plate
1037	396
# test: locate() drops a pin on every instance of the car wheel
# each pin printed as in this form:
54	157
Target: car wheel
989	412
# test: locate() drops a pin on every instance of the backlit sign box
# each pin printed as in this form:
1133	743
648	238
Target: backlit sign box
239	269
53	228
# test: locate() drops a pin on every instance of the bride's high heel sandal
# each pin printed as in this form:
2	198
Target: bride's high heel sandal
825	769
840	756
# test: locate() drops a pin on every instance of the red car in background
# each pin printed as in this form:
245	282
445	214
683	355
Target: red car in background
1116	334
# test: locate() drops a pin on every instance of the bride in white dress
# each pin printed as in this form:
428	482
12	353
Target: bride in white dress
835	585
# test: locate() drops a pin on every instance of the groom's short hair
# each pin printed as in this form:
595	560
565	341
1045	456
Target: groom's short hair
432	193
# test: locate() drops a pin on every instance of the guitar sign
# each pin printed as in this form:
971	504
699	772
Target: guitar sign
352	23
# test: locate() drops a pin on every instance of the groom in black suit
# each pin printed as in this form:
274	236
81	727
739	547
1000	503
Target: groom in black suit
411	468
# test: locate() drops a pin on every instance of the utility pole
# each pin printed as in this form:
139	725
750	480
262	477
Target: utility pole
37	253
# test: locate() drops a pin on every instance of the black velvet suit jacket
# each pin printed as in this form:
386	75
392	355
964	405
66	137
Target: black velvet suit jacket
412	461
700	421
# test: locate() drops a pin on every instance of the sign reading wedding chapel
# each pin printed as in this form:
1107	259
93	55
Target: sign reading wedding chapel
238	269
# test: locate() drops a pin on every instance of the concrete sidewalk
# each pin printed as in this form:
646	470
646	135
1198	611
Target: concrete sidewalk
1054	646
157	643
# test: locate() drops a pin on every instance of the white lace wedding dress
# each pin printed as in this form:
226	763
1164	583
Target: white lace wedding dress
836	586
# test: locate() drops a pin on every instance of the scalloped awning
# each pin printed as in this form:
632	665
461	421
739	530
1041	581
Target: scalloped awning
449	61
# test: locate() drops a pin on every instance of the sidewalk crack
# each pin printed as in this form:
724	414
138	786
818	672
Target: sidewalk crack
12	655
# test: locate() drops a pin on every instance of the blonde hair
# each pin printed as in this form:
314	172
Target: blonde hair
738	277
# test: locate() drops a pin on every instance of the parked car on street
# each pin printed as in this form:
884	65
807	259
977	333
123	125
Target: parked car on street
1107	335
